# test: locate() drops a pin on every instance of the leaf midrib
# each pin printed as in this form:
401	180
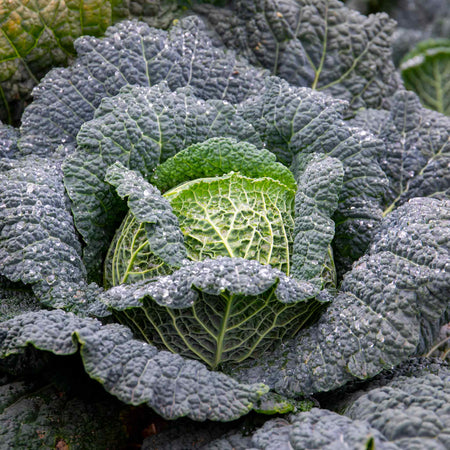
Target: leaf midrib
223	330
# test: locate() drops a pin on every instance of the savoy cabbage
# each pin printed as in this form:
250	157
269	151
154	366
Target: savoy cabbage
230	215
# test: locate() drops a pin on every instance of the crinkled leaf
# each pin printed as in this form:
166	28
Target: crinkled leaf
96	210
8	141
372	120
308	43
416	156
236	216
231	441
297	122
290	119
153	213
234	275
38	242
389	307
37	35
219	311
219	156
140	128
412	412
132	370
416	366
426	71
131	53
316	200
322	429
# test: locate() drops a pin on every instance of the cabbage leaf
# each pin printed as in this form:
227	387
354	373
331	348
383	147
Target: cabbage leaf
132	370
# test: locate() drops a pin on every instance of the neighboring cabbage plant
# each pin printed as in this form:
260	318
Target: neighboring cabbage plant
426	71
38	35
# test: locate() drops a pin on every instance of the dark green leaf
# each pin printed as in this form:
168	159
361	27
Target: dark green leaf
132	370
322	429
390	307
412	412
417	148
135	54
320	44
316	200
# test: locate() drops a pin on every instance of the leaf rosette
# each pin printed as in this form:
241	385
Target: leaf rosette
176	271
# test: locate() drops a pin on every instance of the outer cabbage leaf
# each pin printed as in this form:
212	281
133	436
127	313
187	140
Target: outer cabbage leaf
291	120
38	242
412	412
37	35
343	397
372	120
162	235
141	127
307	42
426	71
297	122
322	429
231	441
219	311
416	155
399	291
8	141
367	427
132	370
131	53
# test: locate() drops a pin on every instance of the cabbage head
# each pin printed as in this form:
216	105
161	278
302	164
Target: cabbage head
224	202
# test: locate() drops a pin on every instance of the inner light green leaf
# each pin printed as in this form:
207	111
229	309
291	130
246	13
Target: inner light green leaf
218	156
130	258
236	216
221	329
